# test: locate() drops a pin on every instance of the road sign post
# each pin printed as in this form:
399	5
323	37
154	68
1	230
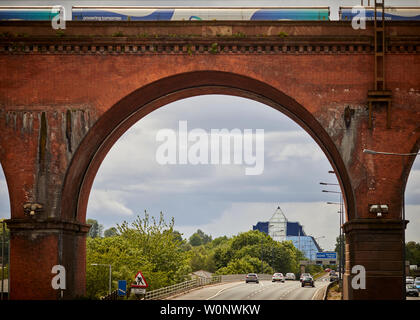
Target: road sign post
139	288
122	288
326	258
138	291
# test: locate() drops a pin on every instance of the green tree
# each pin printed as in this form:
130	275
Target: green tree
219	241
245	264
95	229
222	255
251	250
199	238
412	252
195	240
178	236
111	232
6	240
338	242
146	244
202	259
158	244
339	248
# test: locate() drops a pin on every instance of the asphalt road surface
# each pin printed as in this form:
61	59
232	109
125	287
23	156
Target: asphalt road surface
265	290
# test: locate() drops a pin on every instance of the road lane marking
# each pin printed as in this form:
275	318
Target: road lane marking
270	285
316	292
220	291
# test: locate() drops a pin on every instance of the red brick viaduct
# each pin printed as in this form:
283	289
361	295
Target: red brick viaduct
67	96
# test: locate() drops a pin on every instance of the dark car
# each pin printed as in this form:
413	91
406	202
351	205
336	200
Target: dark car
308	281
411	290
251	277
333	276
303	275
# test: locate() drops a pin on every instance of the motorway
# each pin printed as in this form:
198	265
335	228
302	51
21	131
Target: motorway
265	290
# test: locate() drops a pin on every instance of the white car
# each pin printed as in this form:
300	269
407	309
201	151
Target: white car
409	280
290	276
277	277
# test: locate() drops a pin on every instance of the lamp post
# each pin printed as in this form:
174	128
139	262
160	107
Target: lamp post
340	243
2	259
415	154
368	151
110	277
262	262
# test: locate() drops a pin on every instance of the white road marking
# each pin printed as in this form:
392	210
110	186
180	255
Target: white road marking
313	297
220	291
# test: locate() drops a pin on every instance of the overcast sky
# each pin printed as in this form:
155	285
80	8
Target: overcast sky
221	199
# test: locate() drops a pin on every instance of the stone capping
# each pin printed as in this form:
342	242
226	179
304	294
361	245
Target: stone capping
16	225
375	224
201	45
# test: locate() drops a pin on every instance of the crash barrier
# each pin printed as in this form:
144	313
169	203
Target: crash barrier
112	296
241	277
180	287
188	285
327	289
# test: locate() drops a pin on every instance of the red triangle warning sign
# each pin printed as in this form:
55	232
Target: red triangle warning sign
140	281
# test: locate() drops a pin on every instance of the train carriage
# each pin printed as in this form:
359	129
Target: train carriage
135	13
34	13
123	13
198	13
391	13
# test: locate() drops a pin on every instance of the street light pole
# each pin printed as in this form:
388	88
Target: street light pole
341	231
340	243
262	264
110	279
2	259
340	235
390	153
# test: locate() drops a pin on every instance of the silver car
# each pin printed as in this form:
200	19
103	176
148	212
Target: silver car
411	290
290	276
277	277
252	277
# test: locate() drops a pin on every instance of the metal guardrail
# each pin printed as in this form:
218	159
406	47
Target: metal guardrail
327	289
188	285
180	287
112	296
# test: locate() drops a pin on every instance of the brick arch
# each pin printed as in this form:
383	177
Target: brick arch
119	118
